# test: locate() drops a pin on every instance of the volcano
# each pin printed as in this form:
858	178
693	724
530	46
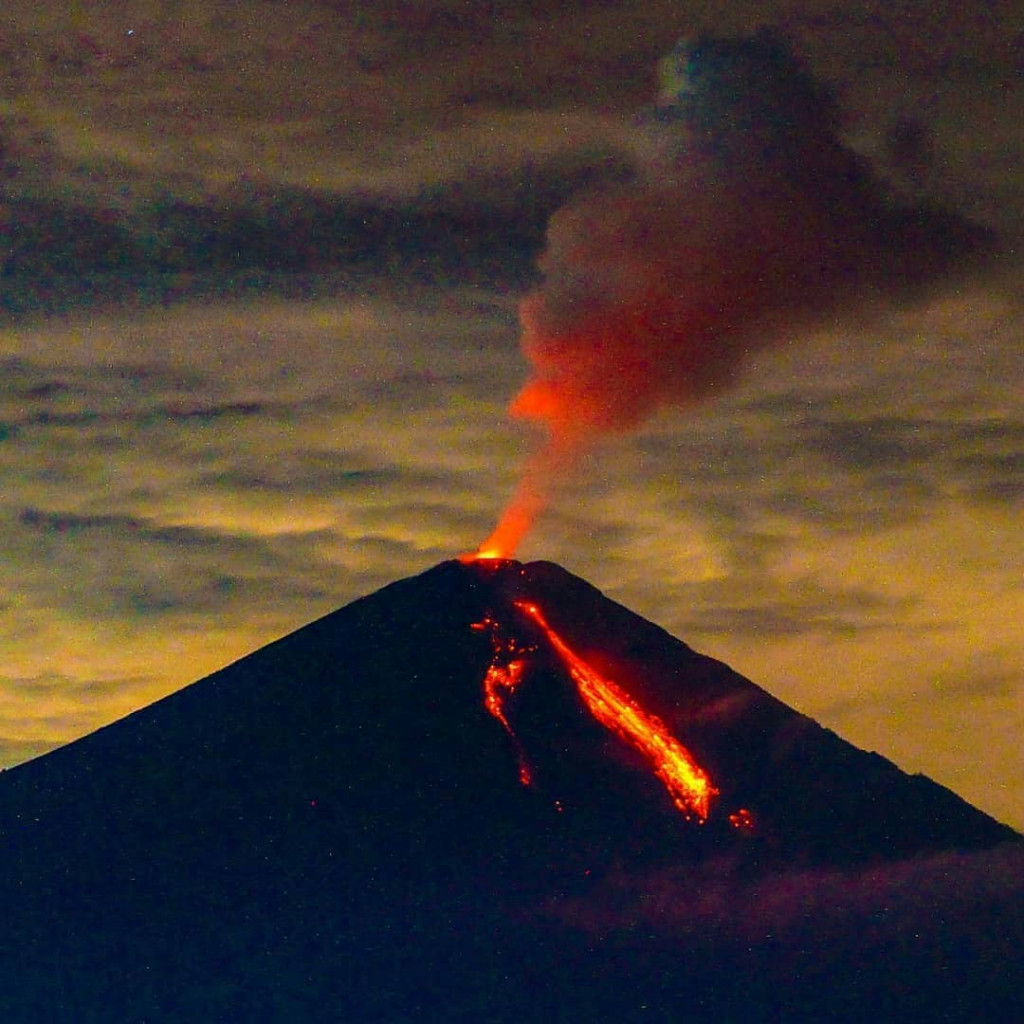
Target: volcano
489	793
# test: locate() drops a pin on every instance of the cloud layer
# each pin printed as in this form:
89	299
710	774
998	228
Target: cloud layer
178	489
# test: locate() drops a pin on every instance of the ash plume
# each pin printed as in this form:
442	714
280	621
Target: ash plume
748	222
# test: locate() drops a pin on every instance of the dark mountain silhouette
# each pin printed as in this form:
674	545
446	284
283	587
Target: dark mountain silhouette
333	828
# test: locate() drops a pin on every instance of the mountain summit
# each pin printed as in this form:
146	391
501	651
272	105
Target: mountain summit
489	793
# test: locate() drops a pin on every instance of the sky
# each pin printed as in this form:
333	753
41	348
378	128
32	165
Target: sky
260	297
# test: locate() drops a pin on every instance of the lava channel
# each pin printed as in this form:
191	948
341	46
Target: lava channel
688	785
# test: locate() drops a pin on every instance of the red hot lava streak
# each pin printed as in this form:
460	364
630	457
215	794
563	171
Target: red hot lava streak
504	674
687	783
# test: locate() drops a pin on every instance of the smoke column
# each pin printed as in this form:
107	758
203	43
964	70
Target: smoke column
747	223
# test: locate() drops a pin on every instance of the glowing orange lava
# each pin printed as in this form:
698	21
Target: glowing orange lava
687	783
503	676
490	557
499	684
742	820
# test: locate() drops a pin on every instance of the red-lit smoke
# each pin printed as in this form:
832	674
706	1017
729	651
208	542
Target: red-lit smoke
748	223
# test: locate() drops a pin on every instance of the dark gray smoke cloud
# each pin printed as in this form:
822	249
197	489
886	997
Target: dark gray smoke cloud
751	222
748	224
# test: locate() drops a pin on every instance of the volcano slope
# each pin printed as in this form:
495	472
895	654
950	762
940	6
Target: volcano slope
335	828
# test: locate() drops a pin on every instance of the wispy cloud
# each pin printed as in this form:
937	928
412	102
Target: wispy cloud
195	484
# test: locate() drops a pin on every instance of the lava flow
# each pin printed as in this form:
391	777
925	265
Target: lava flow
503	676
687	783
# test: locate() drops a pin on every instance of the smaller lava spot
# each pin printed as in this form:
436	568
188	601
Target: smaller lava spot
742	820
